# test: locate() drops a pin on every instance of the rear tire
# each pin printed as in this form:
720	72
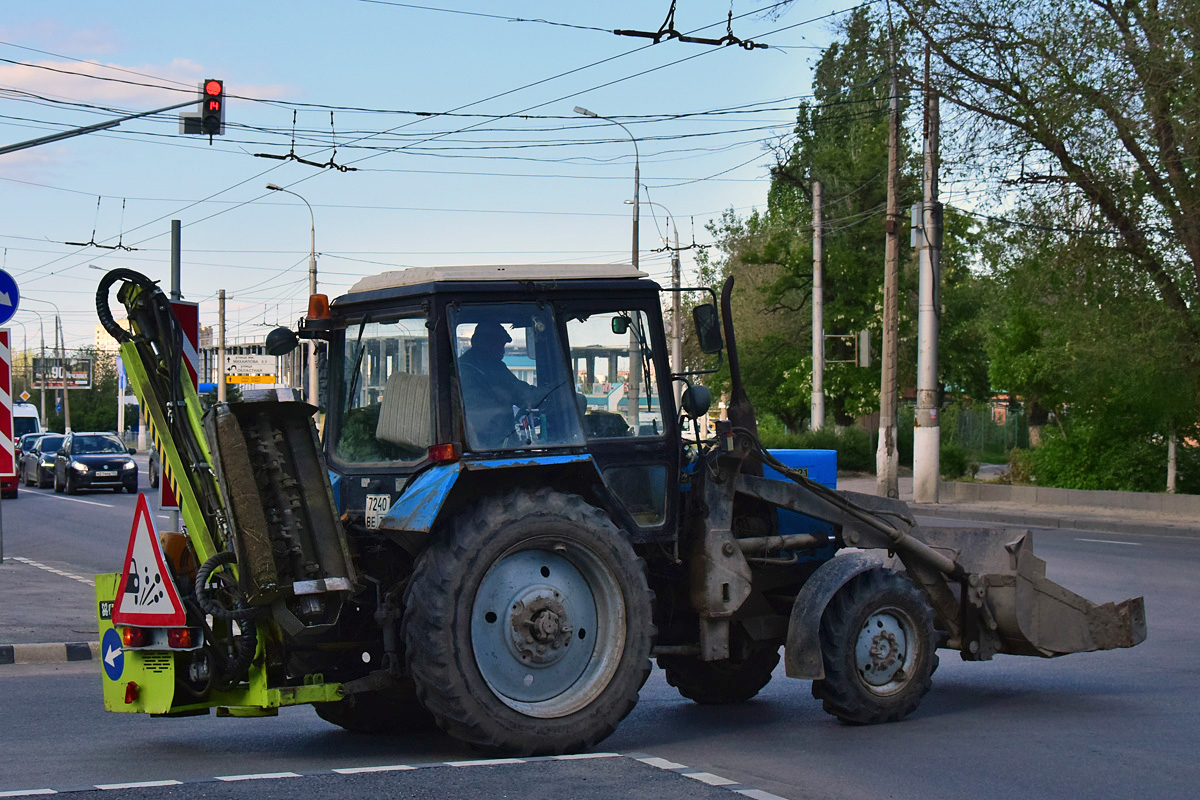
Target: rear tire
733	680
528	625
878	643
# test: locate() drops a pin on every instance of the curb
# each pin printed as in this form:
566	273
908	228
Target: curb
1052	520
48	653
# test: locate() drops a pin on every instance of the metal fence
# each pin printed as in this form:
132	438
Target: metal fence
993	429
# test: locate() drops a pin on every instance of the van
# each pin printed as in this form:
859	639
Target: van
25	419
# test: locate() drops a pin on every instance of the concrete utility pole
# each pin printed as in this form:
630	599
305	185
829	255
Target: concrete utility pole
887	459
221	346
176	294
62	360
928	238
818	316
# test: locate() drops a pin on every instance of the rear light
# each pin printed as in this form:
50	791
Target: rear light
441	453
318	306
131	693
135	637
182	637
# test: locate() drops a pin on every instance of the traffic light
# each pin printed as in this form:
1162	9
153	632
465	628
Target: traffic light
212	107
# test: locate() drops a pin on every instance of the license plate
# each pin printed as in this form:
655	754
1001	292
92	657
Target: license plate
377	508
106	473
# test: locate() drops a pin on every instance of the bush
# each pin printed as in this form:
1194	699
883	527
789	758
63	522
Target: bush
1103	452
853	445
954	461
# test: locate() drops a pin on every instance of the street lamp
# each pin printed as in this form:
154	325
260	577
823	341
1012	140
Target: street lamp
62	339
676	338
637	182
312	289
635	351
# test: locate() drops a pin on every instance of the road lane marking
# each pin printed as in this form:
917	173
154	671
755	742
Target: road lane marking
661	763
32	563
72	499
1109	541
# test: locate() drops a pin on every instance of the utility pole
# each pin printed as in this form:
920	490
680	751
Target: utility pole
887	459
221	346
62	360
817	421
928	237
176	294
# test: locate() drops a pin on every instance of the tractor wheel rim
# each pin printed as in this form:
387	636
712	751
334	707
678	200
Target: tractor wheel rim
884	650
547	628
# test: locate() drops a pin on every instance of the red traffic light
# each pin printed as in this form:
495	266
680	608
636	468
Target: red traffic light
212	107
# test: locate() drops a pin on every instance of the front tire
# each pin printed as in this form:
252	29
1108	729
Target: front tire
878	643
70	486
528	625
58	487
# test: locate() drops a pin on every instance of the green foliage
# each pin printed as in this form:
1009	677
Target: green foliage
954	461
1096	451
853	445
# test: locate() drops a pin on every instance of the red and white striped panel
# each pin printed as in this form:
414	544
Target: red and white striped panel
8	461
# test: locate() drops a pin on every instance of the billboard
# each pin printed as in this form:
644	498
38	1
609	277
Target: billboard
54	373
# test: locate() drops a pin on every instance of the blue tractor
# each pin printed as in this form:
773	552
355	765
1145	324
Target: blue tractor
513	504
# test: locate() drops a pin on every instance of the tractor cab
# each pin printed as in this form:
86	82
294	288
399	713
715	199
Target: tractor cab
449	379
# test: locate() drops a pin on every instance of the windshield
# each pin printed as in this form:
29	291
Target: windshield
386	405
50	444
24	425
99	445
517	390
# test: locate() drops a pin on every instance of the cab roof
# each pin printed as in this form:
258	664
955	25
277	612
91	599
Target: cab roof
414	276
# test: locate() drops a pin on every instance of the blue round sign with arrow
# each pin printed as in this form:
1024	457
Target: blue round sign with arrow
10	297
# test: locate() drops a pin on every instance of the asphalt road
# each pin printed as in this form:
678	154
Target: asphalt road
1097	725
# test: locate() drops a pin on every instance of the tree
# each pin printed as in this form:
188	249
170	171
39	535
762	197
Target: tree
840	139
1090	108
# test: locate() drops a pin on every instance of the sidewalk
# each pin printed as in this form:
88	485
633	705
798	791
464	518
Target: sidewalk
1106	512
48	615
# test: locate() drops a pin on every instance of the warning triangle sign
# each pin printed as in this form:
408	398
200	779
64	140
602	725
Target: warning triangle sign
147	595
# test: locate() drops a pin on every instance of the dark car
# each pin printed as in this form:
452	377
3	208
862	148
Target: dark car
94	461
153	467
37	460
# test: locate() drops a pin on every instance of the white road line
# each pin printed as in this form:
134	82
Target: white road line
1109	541
32	563
138	785
72	499
260	777
709	778
360	770
27	792
661	763
485	762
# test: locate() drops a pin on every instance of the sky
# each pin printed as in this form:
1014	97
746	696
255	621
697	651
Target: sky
449	125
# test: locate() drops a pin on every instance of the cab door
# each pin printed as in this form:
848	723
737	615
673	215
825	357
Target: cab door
618	355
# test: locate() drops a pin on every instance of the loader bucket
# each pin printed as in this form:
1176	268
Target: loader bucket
1022	612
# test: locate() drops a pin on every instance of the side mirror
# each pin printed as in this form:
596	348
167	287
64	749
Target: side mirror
281	341
696	401
620	325
131	450
708	328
